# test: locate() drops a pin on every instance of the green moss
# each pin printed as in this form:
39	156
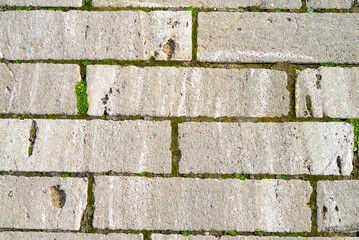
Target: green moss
231	233
65	175
239	176
260	233
355	123
186	233
133	232
176	154
30	151
103	117
310	10
82	103
284	177
328	64
143	174
85	62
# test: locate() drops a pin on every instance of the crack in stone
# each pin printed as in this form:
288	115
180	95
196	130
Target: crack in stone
33	131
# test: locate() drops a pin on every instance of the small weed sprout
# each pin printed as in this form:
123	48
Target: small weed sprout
260	233
143	174
310	10
186	233
65	175
239	176
231	233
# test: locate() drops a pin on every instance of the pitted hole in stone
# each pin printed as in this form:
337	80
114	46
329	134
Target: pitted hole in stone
169	48
325	210
339	164
58	196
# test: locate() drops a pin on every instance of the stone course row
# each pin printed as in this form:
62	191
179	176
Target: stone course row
137	146
121	236
79	145
138	35
172	92
140	203
265	4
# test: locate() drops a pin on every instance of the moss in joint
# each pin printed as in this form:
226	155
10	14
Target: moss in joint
87	217
176	154
82	103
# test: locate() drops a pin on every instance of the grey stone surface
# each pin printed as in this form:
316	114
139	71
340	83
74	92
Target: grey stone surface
14	142
289	4
328	91
26	202
338	204
92	146
199	237
123	35
67	236
181	237
171	91
286	238
330	4
275	148
202	204
39	88
274	37
42	3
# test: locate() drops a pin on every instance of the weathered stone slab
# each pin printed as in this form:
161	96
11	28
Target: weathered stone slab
338	203
286	238
42	202
92	146
273	37
67	236
181	237
201	204
14	142
39	88
199	237
274	148
42	3
127	35
171	91
328	91
340	4
288	4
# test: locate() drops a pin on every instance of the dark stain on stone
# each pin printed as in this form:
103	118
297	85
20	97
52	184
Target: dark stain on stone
58	196
169	48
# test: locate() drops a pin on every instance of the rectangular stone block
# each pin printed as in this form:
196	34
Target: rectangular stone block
171	91
259	148
286	238
274	37
123	35
328	91
338	203
199	237
288	4
67	236
86	146
42	203
14	142
39	88
201	204
42	3
340	4
181	237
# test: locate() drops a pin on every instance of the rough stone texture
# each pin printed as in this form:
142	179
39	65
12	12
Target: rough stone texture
198	237
273	37
39	88
14	141
67	236
170	91
181	237
330	3
286	238
328	91
42	3
338	204
202	204
288	4
123	35
93	146
275	148
25	202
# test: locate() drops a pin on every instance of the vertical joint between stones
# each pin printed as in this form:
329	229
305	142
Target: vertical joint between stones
176	154
87	217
